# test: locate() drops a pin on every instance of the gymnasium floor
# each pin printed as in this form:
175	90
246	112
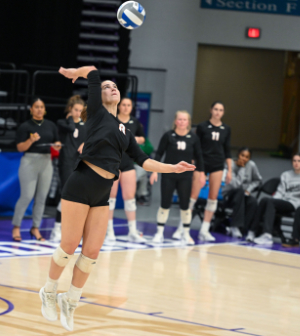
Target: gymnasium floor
226	288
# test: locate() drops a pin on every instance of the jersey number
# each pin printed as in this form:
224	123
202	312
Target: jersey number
181	145
215	136
76	133
122	128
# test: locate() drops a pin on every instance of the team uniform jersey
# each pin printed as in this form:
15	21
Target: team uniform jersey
72	135
106	138
215	144
180	148
136	129
46	129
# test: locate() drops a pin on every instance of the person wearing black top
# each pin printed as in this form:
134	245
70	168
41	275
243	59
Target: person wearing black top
72	134
85	195
179	143
127	177
214	137
34	137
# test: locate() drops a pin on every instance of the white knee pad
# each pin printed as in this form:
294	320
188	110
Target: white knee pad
186	216
112	203
60	257
85	264
130	205
162	215
211	205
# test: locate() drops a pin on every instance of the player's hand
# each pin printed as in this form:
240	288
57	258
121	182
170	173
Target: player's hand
70	73
80	148
57	145
228	177
153	178
34	137
68	115
182	167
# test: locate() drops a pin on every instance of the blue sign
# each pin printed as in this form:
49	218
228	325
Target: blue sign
285	7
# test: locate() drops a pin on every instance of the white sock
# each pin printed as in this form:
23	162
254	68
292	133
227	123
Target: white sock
110	225
180	226
160	229
192	203
205	227
74	293
51	285
132	226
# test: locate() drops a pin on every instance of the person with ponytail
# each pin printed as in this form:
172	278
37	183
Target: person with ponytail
34	138
72	134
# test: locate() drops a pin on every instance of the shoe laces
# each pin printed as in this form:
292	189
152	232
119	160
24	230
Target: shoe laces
50	299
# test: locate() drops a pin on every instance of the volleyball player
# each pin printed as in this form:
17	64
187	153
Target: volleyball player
214	137
72	133
127	177
179	143
85	195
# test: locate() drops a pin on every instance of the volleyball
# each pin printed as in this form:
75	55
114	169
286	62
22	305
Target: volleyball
131	15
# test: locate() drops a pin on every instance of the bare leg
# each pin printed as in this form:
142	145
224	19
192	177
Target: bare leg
73	219
113	194
215	180
128	184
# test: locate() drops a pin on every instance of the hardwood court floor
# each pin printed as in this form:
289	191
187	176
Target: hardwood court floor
206	290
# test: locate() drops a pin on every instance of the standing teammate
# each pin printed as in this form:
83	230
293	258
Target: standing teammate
85	195
72	134
127	177
178	144
214	137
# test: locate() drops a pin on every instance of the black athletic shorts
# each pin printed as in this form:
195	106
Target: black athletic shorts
171	183
212	169
126	163
87	187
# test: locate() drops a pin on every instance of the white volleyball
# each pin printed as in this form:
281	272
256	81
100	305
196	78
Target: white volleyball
131	15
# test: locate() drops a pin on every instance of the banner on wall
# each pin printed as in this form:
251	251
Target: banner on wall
9	183
142	110
283	7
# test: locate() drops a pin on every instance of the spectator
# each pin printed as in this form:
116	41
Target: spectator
237	194
285	200
34	138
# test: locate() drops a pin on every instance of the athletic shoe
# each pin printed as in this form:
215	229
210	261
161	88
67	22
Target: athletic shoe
56	233
187	239
250	236
110	236
290	243
158	239
178	234
135	238
236	233
264	239
67	308
48	305
206	237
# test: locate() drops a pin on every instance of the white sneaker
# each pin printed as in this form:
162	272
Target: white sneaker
110	236
67	308
264	239
236	233
48	304
158	239
135	238
178	234
206	236
56	233
187	239
250	236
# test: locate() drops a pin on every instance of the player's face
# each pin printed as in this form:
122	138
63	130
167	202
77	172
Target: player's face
38	110
244	156
76	111
296	162
125	107
217	111
182	121
110	93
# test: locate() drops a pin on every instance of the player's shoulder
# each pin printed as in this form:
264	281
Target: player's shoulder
204	125
225	127
133	120
191	135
